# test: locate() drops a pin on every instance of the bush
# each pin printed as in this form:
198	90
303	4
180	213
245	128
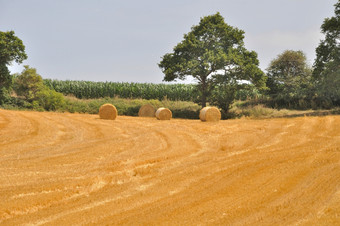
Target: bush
130	107
49	100
28	83
4	96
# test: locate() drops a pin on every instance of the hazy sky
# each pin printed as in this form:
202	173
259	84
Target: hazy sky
112	40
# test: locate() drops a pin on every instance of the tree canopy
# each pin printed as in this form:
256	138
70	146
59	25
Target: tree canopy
328	52
211	50
327	63
28	83
287	73
11	49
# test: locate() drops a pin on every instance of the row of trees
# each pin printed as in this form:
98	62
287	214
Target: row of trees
213	53
327	64
293	83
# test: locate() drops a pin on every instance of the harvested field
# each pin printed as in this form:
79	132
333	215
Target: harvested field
64	169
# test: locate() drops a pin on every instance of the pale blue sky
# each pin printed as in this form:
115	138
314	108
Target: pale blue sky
112	40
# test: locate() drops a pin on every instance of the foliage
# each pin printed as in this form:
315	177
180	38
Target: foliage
11	49
328	92
30	86
28	83
5	76
223	95
289	80
5	83
247	92
92	90
287	72
180	109
49	100
212	49
328	52
4	95
148	91
327	62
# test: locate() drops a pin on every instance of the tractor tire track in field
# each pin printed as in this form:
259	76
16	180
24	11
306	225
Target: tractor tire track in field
61	168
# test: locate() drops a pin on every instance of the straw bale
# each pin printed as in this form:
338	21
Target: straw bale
108	111
147	111
163	114
210	114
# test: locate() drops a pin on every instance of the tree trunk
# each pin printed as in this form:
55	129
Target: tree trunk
204	93
204	100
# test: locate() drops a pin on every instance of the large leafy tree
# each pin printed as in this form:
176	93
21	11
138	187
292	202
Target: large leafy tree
289	75
213	53
328	52
327	63
11	49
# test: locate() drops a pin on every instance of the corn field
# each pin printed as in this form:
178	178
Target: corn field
91	90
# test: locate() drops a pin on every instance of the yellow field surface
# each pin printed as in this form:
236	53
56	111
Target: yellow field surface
62	169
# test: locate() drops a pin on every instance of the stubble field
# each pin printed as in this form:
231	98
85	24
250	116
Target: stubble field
61	169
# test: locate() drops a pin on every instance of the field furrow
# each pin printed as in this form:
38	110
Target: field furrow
62	169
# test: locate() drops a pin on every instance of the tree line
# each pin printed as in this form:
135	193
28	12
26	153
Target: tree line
214	54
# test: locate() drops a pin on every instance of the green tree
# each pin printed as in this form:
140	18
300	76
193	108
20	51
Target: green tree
11	49
28	83
5	81
223	94
289	77
327	63
211	51
328	52
228	82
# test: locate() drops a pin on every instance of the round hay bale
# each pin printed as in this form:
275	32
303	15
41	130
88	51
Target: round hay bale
163	114
108	111
210	114
147	111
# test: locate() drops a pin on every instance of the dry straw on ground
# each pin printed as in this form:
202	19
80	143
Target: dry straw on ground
163	114
108	111
210	114
147	111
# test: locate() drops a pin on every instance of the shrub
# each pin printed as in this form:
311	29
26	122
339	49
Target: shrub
130	107
28	83
49	99
4	96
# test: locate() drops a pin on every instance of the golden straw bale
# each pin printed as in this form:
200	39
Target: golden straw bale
163	114
210	114
147	111
108	111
